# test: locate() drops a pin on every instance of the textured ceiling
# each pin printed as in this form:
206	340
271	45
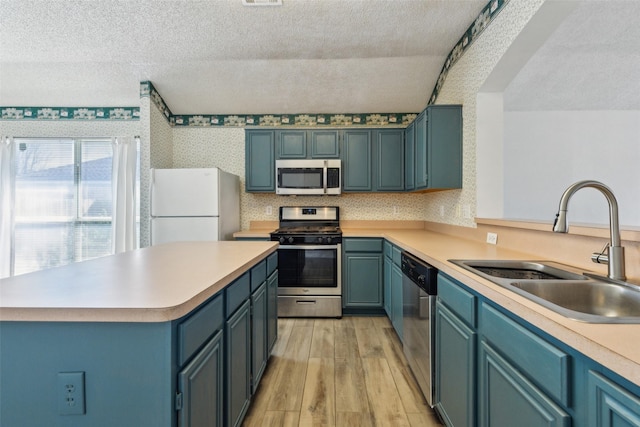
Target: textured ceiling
219	57
590	62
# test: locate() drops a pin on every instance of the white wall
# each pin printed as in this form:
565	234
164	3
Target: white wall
546	151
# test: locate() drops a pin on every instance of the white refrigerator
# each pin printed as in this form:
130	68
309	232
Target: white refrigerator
194	204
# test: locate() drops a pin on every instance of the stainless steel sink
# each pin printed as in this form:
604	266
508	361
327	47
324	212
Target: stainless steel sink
563	289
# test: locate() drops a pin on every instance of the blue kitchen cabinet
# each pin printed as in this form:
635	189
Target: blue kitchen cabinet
455	370
438	148
325	144
393	287
410	157
259	336
508	398
260	161
362	274
238	365
357	156
200	386
308	144
291	144
389	170
272	311
609	404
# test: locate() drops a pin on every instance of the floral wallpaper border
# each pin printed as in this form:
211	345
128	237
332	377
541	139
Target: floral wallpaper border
487	15
70	113
147	89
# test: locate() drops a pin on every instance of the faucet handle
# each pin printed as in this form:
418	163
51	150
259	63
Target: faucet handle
601	257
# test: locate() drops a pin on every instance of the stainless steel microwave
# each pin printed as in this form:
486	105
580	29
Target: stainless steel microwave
308	177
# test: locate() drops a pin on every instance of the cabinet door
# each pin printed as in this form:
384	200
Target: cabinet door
387	286
444	142
390	160
507	398
363	280
260	161
356	161
421	152
200	384
258	335
409	157
610	405
272	311
292	144
396	299
238	364
325	144
455	369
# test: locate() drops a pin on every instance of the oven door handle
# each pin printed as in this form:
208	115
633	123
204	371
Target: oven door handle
305	247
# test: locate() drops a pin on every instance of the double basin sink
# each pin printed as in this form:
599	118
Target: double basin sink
563	289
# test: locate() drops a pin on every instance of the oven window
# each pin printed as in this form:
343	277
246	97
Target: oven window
300	178
307	268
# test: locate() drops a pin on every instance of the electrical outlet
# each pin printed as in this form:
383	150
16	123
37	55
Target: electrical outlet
396	210
466	211
492	238
71	393
268	210
441	211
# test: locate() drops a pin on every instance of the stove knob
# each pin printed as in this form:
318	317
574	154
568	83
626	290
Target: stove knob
328	239
319	239
282	240
290	239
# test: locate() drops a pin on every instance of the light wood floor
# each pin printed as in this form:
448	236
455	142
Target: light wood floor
338	372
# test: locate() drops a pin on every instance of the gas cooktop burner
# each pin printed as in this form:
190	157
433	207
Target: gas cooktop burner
308	229
308	225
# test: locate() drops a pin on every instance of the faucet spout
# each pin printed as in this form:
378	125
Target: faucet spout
615	259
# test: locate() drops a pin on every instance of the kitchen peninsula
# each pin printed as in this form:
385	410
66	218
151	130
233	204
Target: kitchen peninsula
120	340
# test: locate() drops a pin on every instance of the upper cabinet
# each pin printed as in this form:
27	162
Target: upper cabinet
260	161
438	148
426	156
303	144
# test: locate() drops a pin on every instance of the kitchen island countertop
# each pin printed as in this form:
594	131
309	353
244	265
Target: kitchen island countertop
155	284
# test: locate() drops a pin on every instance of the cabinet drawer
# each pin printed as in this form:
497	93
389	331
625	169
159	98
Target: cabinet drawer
272	263
462	303
545	364
362	245
258	275
237	293
197	328
388	249
396	255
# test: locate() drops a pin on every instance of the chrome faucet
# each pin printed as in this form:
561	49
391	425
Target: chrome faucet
615	257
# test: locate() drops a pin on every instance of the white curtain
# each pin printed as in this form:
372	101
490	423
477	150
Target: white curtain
6	204
123	227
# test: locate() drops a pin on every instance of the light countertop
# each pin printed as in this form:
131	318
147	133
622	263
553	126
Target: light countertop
616	346
155	284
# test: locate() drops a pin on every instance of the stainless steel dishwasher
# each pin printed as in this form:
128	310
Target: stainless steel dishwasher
419	285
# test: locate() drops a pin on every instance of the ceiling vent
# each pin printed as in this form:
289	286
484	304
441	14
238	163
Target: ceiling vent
262	2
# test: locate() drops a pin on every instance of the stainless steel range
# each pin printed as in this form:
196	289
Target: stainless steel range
309	262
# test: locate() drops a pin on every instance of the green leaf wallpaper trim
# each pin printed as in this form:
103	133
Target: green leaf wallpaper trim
70	113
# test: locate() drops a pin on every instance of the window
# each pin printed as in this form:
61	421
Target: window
62	202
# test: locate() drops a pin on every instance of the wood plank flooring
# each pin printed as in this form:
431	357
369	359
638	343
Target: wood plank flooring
338	372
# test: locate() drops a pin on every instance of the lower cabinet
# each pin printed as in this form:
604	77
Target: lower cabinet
238	364
362	274
508	398
259	338
455	368
496	370
393	286
609	404
272	310
201	384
